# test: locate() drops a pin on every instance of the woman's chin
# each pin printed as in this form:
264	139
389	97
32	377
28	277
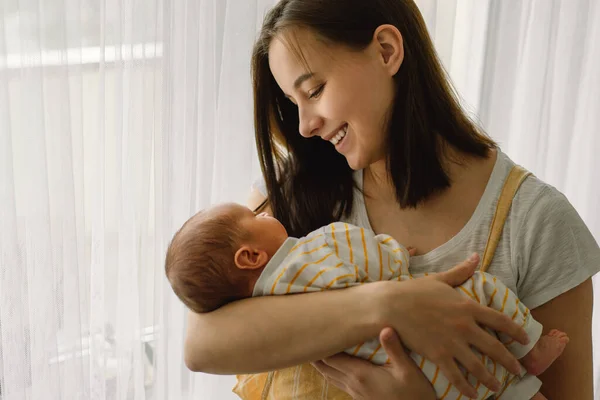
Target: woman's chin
354	163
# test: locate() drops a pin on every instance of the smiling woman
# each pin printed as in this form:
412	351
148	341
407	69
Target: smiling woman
373	134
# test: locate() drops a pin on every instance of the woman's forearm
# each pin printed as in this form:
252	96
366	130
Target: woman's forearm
274	332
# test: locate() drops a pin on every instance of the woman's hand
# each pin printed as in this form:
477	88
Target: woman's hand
400	379
437	322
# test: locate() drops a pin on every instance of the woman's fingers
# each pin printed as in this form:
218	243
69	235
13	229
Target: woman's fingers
437	307
390	341
457	379
350	374
352	368
460	273
499	322
493	348
361	379
477	368
398	357
332	375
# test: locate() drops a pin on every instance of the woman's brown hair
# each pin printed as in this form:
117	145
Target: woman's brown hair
308	182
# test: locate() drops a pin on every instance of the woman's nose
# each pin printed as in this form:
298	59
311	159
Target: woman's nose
310	123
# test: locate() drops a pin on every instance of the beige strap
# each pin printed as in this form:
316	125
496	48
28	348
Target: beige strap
513	182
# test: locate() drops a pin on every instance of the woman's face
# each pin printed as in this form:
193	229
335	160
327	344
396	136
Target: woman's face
345	98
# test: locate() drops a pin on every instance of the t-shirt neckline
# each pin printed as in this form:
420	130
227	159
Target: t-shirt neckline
489	195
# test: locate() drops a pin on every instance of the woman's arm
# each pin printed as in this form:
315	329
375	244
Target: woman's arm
267	333
571	375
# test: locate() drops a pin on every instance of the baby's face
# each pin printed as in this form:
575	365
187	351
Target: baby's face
266	232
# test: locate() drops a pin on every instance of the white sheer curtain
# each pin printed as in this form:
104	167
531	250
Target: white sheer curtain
121	118
80	110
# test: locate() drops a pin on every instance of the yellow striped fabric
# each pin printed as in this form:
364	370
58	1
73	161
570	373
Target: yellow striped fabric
302	382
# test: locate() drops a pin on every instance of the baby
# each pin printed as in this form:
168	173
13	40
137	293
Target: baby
228	252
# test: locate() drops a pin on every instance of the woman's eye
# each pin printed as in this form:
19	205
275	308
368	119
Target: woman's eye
317	92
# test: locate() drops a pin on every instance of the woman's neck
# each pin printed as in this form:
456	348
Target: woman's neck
466	172
437	219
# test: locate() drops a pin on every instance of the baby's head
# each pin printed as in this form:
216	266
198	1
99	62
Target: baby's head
218	254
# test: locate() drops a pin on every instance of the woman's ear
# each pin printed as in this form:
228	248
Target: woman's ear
390	46
249	258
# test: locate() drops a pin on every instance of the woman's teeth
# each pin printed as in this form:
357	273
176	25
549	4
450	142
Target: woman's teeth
340	135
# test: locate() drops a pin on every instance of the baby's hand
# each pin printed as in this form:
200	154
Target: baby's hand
412	251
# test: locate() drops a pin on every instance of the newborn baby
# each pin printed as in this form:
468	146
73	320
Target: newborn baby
228	252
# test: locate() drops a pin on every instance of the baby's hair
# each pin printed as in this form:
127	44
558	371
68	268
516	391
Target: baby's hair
200	261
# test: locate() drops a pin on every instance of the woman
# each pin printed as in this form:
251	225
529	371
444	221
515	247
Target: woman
400	157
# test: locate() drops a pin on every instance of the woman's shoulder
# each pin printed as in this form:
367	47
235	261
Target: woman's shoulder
538	204
552	248
535	199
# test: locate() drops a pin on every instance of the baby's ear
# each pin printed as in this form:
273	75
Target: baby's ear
250	258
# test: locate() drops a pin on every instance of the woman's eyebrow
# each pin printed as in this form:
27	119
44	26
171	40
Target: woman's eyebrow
302	78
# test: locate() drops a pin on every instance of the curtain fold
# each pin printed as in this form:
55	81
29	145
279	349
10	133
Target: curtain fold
119	119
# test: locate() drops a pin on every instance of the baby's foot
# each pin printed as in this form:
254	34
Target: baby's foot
545	351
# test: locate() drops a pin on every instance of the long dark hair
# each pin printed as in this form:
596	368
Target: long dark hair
308	182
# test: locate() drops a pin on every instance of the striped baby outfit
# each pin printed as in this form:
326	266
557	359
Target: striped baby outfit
340	255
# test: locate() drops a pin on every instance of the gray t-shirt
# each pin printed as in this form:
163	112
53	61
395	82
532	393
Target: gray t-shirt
545	249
